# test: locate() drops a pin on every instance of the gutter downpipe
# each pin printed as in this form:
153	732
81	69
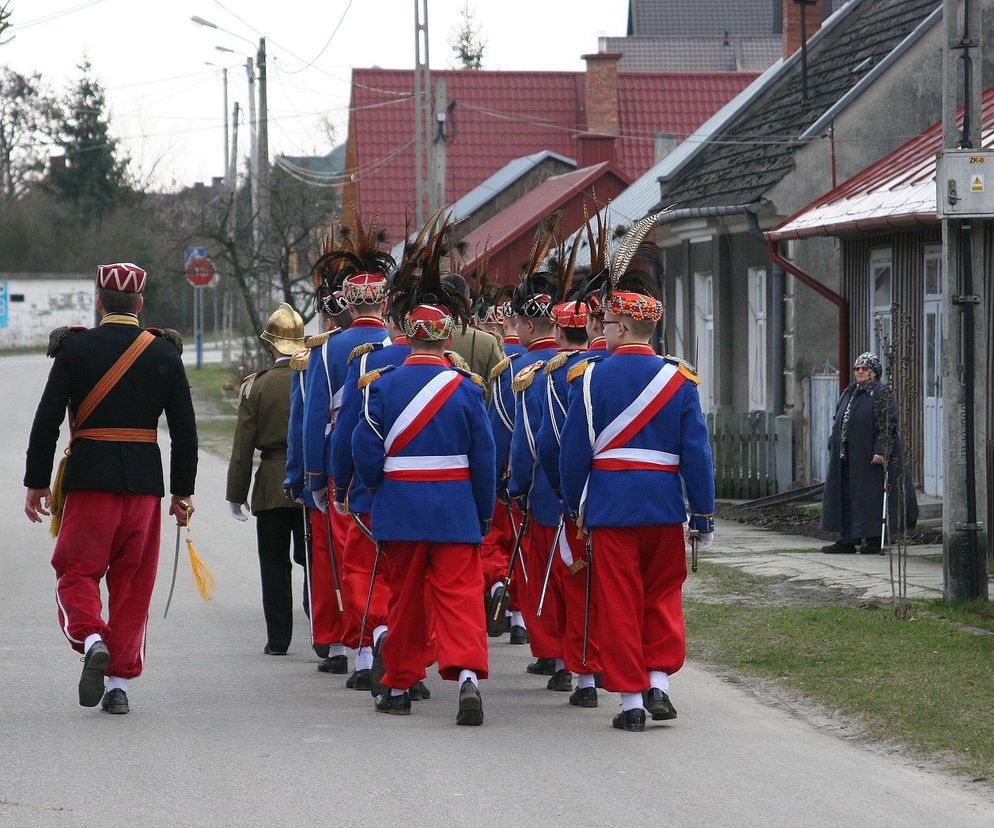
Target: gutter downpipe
835	298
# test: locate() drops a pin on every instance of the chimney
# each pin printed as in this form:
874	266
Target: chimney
217	182
597	144
792	23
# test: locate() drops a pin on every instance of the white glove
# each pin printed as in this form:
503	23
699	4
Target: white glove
340	508
706	541
236	511
321	498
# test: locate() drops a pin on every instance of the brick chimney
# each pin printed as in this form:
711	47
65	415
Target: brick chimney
601	109
792	23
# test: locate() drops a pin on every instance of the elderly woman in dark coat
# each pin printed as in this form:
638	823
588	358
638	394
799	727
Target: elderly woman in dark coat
863	446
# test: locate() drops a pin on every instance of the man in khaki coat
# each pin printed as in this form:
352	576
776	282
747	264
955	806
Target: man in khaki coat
482	350
263	415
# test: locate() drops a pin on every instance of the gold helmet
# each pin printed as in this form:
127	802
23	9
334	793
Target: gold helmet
284	330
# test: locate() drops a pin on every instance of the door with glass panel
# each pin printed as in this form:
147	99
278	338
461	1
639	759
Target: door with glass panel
932	432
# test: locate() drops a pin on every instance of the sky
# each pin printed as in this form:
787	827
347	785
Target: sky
166	103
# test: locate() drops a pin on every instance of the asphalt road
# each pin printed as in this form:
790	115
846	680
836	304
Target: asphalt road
221	735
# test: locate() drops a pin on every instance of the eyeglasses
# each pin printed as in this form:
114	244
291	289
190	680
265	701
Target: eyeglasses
605	324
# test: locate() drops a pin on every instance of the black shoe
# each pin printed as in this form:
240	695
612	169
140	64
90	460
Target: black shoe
339	665
115	701
322	650
496	604
561	680
273	651
507	623
419	692
395	705
542	667
378	669
584	697
359	679
519	635
91	680
658	704
631	720
599	680
873	549
470	705
839	548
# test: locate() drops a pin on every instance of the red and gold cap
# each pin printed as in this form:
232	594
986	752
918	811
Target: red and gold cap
570	314
635	305
429	323
123	276
364	288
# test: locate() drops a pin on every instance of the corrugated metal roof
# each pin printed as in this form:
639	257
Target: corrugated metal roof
500	116
668	18
898	189
694	54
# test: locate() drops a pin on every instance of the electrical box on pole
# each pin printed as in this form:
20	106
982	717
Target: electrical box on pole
964	182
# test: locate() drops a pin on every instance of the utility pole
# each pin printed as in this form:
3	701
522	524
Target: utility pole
224	76
253	149
964	387
438	146
231	188
423	167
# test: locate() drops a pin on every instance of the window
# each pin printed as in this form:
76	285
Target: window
881	299
704	329
757	339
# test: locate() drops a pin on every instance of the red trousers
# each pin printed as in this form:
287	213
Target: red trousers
455	579
638	578
360	552
574	589
495	554
112	535
330	626
545	634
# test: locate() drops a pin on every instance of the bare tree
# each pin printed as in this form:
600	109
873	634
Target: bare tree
27	125
466	43
5	13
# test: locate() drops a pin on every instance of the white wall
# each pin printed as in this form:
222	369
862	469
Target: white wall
36	303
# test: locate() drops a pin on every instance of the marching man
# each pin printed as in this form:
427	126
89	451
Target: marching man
633	430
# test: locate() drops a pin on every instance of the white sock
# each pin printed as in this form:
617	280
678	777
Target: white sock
468	674
659	680
518	620
493	588
364	658
396	692
560	664
90	641
508	614
116	683
584	681
378	631
631	701
336	650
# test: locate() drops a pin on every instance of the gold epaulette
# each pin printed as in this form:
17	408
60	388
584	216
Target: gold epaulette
458	361
577	370
246	387
526	376
500	368
169	335
55	337
298	362
558	361
470	375
359	350
318	340
685	368
369	378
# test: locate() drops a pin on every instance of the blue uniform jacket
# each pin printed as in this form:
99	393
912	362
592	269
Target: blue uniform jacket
326	371
295	437
637	497
449	511
342	467
557	400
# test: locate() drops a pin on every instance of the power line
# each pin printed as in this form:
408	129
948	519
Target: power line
53	16
327	42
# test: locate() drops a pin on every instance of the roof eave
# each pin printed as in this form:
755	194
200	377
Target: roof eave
891	222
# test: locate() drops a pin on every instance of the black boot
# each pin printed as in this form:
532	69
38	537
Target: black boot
871	546
839	548
115	701
91	680
561	680
519	635
339	665
542	667
470	705
584	697
631	720
658	704
322	650
359	679
495	603
419	692
396	705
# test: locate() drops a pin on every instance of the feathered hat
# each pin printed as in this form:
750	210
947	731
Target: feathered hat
630	290
570	311
363	265
422	307
535	296
491	298
326	275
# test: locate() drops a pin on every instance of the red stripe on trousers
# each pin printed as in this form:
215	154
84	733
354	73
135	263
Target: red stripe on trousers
647	413
359	557
545	634
455	581
330	626
115	536
421	420
428	475
614	464
574	589
638	578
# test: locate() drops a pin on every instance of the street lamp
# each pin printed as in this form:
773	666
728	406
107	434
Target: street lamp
201	22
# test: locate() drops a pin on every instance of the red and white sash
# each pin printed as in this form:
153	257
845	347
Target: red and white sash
415	416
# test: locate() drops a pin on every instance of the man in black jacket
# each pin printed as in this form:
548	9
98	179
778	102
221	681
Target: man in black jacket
115	380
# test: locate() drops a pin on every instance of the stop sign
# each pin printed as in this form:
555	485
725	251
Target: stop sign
200	272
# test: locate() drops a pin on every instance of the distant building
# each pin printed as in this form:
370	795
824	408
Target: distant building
34	304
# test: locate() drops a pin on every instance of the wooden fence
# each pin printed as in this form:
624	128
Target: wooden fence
743	449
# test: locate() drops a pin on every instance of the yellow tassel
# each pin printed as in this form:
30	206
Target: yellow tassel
58	498
202	574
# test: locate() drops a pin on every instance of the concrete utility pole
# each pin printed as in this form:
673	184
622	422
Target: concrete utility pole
253	149
423	167
438	147
231	189
964	384
227	156
262	162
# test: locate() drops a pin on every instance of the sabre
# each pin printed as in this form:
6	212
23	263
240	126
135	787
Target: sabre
694	536
372	578
883	516
186	507
334	566
586	603
308	555
548	569
515	553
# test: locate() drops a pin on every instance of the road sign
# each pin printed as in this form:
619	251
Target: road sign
4	298
200	272
193	253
